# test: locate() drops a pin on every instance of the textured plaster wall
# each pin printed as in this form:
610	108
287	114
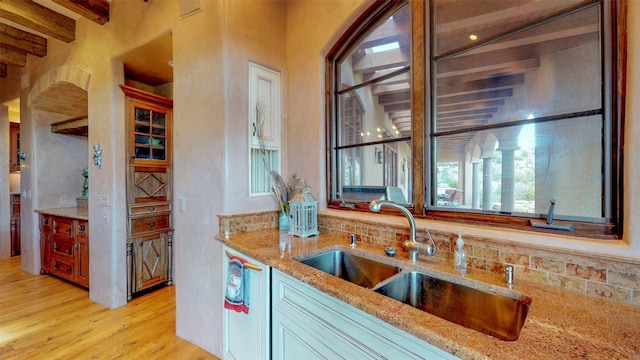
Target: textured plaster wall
211	51
133	24
199	117
5	213
211	137
312	29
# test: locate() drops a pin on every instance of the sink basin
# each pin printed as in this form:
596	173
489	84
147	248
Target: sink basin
358	270
493	314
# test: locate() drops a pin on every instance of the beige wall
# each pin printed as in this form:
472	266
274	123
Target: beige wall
5	214
211	52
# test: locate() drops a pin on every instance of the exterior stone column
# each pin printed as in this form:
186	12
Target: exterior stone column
507	194
487	190
475	185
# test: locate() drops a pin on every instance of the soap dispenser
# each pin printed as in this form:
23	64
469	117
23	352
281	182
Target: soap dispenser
460	256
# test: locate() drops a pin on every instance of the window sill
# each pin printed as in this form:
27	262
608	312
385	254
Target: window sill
499	231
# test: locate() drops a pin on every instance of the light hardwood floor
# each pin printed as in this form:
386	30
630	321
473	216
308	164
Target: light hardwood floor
42	317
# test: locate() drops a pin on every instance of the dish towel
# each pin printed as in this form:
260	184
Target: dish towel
237	293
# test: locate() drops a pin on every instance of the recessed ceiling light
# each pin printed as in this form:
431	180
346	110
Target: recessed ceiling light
473	37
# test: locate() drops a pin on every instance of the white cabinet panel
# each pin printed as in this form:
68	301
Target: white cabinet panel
246	336
313	322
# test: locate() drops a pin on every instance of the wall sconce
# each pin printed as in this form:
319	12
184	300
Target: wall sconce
379	155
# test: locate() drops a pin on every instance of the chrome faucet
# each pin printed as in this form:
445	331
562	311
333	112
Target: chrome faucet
412	246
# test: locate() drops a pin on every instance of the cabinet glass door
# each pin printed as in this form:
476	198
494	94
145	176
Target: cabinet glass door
150	135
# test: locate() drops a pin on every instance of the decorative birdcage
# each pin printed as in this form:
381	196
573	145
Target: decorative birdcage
303	212
303	218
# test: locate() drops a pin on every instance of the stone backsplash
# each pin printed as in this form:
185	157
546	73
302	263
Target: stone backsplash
600	276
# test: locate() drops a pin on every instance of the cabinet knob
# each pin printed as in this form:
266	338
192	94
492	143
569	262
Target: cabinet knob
140	243
151	208
46	221
152	224
81	228
68	230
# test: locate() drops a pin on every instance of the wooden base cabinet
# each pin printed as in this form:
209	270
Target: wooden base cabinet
64	248
308	324
149	257
247	336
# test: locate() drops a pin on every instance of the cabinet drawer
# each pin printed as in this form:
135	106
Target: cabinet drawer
149	223
82	230
148	209
62	268
63	248
63	227
45	223
15	205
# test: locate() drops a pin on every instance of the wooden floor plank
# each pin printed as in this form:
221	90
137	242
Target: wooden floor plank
43	317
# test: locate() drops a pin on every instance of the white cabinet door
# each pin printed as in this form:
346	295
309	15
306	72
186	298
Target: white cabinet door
246	336
310	324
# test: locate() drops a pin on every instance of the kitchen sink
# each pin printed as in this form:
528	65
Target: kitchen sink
353	268
493	314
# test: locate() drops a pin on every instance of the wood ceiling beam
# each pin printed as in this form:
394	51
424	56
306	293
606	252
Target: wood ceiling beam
504	68
399	79
19	40
465	118
397	107
399	114
390	89
39	18
401	120
475	97
459	15
459	37
381	61
443	109
495	82
394	98
3	70
13	57
491	110
491	59
94	10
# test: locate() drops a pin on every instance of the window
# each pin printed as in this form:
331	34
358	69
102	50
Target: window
506	106
373	107
264	128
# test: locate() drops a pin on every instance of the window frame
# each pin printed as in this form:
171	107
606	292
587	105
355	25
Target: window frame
614	87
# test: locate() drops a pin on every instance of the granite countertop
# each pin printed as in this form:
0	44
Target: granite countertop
560	324
70	212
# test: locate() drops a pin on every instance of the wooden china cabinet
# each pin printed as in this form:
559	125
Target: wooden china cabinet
14	150
149	186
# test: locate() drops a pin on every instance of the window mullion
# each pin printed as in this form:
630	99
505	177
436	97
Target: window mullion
420	107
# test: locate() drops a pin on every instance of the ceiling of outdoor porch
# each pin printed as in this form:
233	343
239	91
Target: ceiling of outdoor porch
471	86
